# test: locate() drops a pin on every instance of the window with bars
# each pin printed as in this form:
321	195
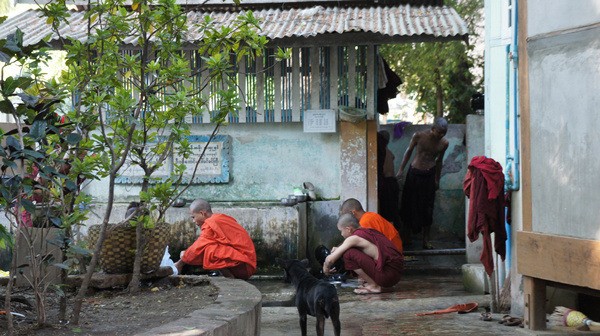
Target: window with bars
276	91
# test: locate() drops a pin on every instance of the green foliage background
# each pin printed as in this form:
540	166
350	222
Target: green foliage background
438	75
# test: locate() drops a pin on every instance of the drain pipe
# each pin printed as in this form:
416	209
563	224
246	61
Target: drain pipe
508	176
512	179
514	57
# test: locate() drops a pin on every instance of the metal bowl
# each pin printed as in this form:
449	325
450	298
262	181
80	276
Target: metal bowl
288	201
301	198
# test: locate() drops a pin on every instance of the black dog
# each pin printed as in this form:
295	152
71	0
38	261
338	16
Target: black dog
314	297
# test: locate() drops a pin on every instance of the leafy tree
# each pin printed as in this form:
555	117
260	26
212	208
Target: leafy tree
41	163
438	75
142	98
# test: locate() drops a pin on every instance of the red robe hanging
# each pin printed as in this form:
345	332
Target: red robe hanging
484	186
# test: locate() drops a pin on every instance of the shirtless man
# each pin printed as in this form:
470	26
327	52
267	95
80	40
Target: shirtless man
368	253
422	180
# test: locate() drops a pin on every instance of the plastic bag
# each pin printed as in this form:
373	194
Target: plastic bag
167	262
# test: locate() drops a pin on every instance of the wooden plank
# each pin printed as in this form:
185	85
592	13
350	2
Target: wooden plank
353	157
190	84
333	78
525	112
559	259
372	199
351	76
371	73
260	90
277	93
315	78
296	103
205	84
242	88
534	291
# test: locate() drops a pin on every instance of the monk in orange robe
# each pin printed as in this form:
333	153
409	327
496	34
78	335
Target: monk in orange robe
224	245
372	220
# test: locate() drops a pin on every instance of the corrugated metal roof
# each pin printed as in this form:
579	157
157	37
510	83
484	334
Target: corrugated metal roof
395	21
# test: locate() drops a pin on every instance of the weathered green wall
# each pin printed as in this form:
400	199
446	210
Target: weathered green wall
267	162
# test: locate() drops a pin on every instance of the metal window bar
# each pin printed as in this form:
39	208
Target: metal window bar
342	76
304	81
324	68
286	90
196	84
269	85
251	103
361	77
235	117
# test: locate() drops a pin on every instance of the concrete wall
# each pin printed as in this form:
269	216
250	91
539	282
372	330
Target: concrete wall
448	215
551	16
501	121
563	74
564	81
267	162
276	230
475	147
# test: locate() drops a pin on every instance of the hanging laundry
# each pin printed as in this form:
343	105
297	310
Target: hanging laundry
484	186
387	86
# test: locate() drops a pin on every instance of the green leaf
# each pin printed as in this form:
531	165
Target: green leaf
38	129
33	154
74	138
72	186
11	141
28	205
56	221
79	250
6	106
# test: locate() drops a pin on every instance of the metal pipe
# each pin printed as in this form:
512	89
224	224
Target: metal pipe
517	152
455	251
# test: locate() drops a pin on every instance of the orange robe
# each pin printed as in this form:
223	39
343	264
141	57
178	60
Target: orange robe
223	243
372	220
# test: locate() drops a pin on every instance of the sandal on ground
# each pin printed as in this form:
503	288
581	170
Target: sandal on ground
486	316
510	321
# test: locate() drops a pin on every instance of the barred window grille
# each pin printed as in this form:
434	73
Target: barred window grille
275	91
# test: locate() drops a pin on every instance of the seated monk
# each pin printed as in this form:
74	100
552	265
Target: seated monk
369	254
372	220
223	245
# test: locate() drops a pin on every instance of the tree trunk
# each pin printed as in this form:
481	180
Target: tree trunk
96	256
62	308
11	273
134	284
439	95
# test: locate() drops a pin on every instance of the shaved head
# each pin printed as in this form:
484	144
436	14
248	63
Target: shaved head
349	205
200	205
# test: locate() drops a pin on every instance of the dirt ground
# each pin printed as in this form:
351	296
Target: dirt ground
114	312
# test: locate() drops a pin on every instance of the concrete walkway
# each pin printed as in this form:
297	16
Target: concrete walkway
393	313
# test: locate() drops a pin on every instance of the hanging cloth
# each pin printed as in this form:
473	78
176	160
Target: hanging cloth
484	186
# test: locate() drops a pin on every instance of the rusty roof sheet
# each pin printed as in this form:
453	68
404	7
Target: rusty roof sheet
393	21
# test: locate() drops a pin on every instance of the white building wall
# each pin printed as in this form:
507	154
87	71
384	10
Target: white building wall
501	123
564	82
551	16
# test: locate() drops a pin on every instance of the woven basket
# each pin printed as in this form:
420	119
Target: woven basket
352	114
118	251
